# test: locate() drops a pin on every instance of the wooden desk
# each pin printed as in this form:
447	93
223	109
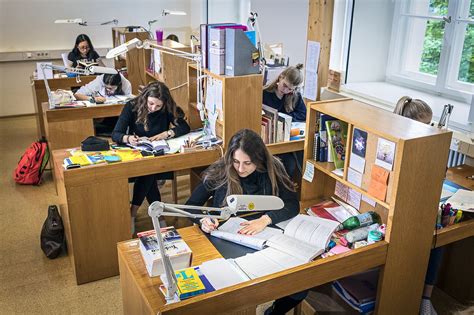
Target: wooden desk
95	206
40	95
141	294
456	273
66	128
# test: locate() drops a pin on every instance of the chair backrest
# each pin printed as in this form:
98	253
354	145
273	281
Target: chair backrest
65	60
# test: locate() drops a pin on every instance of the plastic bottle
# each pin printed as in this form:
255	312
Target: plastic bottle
361	233
361	220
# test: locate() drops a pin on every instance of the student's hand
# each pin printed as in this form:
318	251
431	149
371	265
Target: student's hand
133	139
208	225
99	99
160	136
255	226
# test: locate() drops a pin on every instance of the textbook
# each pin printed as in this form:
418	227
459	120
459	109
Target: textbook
176	248
229	231
304	239
190	282
146	144
337	138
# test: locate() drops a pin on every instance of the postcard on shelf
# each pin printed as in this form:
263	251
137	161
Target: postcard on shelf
378	182
354	177
385	153
354	198
309	172
341	190
359	146
337	138
369	201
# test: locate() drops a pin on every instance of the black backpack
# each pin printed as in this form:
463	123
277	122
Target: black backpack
52	234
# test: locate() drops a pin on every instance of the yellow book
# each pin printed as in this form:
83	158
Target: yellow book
80	159
129	155
189	283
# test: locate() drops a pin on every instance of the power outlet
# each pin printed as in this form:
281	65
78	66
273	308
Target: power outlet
34	55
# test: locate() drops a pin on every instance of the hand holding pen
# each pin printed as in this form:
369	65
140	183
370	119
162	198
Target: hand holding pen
133	139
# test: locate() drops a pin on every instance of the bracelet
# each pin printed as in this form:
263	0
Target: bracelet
128	139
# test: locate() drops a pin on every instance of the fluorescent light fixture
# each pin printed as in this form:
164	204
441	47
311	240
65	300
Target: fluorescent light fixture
69	21
236	203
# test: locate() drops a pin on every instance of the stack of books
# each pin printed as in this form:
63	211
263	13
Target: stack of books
276	127
175	247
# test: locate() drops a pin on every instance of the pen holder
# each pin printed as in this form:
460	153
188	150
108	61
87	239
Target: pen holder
159	35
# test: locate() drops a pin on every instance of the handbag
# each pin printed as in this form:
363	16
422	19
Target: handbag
93	143
52	234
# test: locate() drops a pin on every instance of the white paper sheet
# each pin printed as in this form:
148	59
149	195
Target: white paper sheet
354	177
354	198
309	172
221	273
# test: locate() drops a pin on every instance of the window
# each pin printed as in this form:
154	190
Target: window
432	46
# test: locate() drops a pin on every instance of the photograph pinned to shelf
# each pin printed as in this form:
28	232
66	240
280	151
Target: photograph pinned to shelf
354	177
354	198
385	153
359	146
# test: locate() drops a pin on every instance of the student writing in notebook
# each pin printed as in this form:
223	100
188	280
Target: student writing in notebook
248	168
283	95
419	110
101	89
153	114
83	51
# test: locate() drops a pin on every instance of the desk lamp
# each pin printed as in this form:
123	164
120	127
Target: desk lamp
165	12
252	23
147	44
236	203
81	22
87	71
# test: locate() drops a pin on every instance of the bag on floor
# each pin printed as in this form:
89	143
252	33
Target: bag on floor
52	234
32	163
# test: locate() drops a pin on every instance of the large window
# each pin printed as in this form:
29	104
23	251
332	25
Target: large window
432	46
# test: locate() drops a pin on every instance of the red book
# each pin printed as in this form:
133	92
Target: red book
319	211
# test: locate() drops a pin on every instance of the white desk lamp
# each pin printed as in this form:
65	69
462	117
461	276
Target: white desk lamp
147	44
87	71
81	22
236	203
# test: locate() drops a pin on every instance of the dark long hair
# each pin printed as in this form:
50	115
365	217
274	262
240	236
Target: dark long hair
79	39
222	172
114	80
160	91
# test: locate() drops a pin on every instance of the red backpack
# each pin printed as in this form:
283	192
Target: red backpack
32	164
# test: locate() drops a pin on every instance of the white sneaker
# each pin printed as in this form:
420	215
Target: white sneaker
426	307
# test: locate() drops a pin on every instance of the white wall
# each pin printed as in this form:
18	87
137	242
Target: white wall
371	31
284	21
27	25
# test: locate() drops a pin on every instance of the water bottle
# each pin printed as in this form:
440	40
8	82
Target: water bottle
361	233
360	220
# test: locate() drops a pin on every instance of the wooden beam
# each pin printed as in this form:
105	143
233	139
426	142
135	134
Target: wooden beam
320	16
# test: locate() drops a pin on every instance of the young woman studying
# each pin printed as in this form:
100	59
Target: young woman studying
155	115
83	51
248	168
105	85
418	110
282	94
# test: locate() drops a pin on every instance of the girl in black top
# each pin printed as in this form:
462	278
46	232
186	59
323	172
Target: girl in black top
248	168
282	94
83	51
155	115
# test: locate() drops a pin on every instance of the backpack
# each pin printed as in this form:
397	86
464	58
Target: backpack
52	234
32	163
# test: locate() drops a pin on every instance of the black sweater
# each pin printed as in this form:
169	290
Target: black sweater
255	184
157	123
272	100
92	56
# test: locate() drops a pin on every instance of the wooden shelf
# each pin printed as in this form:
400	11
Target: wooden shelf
453	233
327	168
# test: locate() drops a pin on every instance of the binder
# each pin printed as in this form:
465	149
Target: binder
241	56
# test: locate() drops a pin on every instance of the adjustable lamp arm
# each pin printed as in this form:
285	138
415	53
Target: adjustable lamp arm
236	203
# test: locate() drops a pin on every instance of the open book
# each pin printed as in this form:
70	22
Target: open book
229	231
145	144
304	239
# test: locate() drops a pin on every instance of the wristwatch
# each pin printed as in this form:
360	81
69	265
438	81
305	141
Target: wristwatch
170	133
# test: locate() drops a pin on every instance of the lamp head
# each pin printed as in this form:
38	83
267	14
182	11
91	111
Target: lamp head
114	52
71	21
166	12
241	203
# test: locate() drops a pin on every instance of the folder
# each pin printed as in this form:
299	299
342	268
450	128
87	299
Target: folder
241	56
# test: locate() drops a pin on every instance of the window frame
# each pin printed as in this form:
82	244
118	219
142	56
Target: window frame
445	83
